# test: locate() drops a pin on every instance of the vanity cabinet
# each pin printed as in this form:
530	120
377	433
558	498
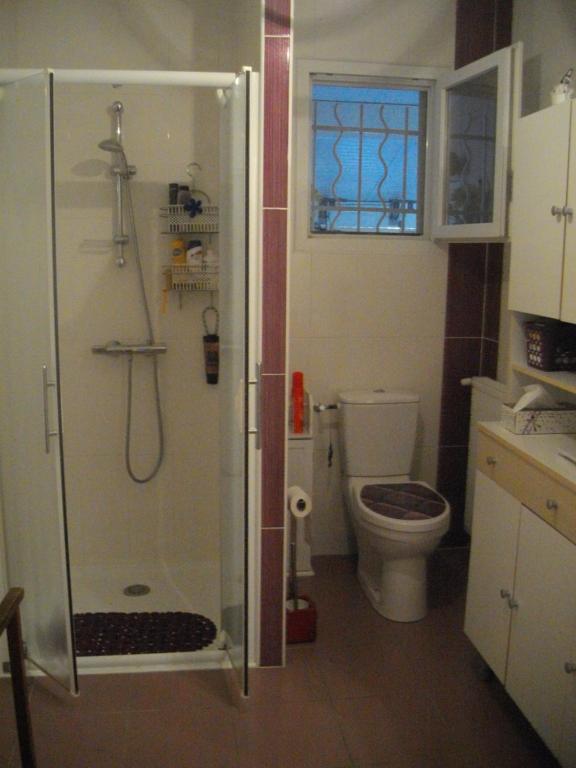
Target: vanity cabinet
542	225
520	609
491	575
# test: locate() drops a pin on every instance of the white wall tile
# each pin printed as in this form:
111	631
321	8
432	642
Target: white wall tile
174	518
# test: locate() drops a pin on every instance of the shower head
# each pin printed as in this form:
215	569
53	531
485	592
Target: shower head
111	145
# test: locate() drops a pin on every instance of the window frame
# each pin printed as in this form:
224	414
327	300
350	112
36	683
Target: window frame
339	71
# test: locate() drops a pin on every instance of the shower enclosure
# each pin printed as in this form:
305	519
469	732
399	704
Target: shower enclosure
78	531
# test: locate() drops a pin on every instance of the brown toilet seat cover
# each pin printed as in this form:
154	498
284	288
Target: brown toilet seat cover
403	501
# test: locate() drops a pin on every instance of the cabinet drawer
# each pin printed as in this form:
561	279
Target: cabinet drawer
552	501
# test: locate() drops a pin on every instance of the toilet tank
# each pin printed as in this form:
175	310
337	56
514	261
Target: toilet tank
378	431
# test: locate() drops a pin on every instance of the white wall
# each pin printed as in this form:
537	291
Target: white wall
367	313
548	31
129	34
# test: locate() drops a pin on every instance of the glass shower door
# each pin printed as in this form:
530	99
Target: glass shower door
236	365
31	471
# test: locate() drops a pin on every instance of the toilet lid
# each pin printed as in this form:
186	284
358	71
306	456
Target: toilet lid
403	501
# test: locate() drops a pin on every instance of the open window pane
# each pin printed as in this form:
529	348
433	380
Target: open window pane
471	139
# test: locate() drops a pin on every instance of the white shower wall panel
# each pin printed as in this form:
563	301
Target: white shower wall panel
112	520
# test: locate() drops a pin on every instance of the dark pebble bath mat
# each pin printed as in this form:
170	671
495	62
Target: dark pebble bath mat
118	634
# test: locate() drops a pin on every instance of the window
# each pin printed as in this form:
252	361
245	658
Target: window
368	150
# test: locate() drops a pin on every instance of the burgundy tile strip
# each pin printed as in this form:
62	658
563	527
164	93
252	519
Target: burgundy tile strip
273	450
276	110
277	47
503	24
474	30
489	361
474	275
272	597
451	483
461	359
278	21
274	291
493	291
465	295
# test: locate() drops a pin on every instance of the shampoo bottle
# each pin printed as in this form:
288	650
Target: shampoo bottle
178	251
297	402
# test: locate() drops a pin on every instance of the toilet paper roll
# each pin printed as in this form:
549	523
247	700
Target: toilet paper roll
299	503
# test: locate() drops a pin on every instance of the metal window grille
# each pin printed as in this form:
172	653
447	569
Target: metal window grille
368	161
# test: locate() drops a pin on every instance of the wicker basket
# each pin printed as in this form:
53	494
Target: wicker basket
550	346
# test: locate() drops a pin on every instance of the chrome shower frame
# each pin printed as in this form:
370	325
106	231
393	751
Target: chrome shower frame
121	173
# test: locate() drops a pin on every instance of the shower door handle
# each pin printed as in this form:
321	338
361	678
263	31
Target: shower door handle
47	432
257	383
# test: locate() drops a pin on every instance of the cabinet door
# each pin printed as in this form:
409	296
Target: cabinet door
569	283
492	559
541	143
567	755
543	626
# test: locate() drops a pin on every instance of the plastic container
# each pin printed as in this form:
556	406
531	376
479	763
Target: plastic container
183	194
297	402
550	345
178	251
194	255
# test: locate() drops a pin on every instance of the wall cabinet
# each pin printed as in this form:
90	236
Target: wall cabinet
542	226
520	610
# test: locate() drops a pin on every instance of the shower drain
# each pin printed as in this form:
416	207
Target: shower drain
136	590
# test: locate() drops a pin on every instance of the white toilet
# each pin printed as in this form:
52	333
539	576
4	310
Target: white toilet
398	522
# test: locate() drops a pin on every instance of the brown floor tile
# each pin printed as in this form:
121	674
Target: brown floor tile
370	693
299	681
8	737
380	730
80	740
188	691
170	739
368	672
98	693
293	734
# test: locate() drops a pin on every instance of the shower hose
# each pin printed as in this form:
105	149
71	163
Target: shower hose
159	421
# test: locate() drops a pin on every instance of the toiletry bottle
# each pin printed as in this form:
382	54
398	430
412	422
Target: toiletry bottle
178	251
173	193
194	256
183	194
297	402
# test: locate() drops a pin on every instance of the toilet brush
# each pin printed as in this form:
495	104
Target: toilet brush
301	612
293	582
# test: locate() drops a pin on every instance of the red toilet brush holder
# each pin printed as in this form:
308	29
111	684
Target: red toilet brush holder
301	620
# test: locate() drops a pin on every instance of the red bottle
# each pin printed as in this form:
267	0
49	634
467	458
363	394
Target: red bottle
297	402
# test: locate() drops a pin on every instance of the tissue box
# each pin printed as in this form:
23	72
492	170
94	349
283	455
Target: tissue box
542	421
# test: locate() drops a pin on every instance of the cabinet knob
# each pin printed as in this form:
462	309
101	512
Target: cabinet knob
512	604
569	668
552	505
566	211
504	594
556	210
491	461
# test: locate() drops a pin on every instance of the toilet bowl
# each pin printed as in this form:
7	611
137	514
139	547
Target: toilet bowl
398	521
394	542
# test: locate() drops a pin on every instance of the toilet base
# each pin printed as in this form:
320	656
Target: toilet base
400	594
